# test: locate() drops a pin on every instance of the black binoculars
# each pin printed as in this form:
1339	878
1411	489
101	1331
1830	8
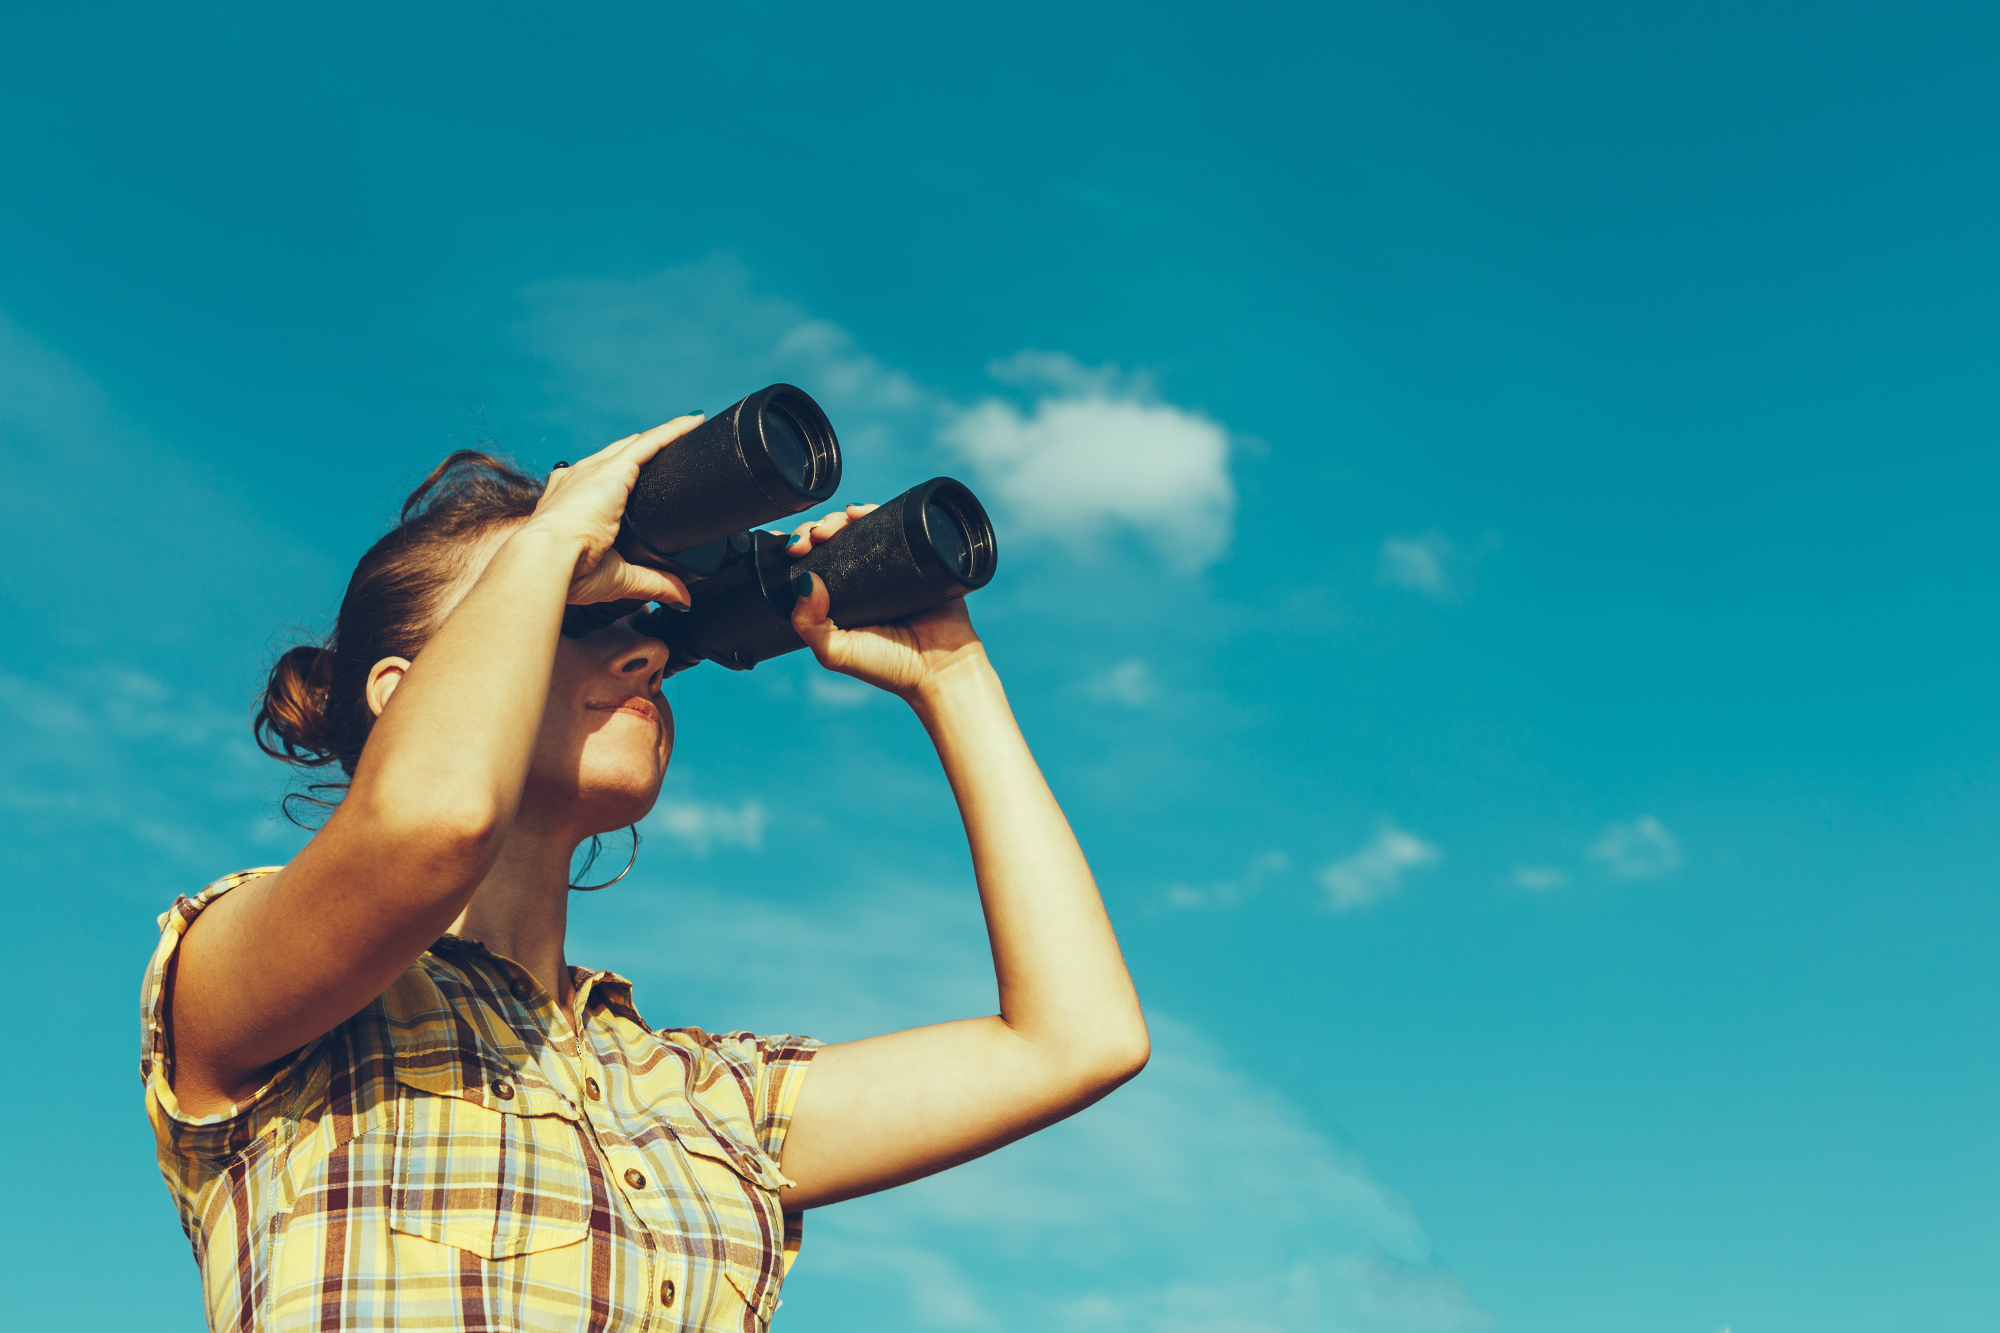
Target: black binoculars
696	511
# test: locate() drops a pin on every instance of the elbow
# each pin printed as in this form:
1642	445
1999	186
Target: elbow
453	835
1117	1059
456	836
1130	1055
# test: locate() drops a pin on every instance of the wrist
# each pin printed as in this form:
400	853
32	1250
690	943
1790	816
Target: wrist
968	679
540	534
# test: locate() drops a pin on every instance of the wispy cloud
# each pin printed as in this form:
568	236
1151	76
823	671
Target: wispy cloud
836	691
1096	454
200	564
1136	1216
1376	870
631	352
1229	892
1639	849
1129	683
702	825
1417	563
1539	879
1431	563
117	751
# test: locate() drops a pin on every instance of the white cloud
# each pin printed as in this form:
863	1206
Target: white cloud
703	825
1195	1198
1639	849
1129	683
1376	870
1229	892
1418	563
838	691
1098	451
1539	878
1096	454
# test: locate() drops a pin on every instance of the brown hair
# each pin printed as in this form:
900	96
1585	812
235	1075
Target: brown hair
315	708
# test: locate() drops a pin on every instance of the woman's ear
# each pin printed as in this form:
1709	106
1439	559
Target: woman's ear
383	678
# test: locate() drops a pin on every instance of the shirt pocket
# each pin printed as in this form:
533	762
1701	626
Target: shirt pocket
487	1165
741	1186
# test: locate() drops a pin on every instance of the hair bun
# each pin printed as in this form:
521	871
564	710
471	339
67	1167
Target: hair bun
292	722
315	707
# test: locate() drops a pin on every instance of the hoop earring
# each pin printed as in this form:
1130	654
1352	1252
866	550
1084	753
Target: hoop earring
632	861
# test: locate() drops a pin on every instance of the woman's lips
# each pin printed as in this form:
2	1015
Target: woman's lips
634	705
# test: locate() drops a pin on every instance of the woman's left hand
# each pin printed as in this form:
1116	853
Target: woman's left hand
902	657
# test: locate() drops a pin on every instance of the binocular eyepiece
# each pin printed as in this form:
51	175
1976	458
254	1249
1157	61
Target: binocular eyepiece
695	509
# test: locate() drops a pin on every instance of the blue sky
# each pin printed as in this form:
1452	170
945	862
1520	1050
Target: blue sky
1496	508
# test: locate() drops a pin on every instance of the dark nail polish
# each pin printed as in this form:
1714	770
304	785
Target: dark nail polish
696	412
682	607
802	584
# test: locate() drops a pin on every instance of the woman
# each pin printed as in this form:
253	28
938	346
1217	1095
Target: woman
383	1098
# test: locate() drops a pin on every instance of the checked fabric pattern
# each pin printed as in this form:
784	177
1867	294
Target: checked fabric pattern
445	1161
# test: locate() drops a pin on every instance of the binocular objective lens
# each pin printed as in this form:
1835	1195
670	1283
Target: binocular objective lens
948	537
787	446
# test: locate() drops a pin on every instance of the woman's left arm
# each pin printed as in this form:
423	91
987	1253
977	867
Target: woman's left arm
889	1109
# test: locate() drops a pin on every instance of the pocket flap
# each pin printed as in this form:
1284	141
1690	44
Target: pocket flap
496	1182
718	1145
758	1293
475	1076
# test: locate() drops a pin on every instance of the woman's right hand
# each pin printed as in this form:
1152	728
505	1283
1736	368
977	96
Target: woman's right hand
584	504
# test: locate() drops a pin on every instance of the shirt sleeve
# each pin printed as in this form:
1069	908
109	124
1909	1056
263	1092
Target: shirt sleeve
220	1133
778	1068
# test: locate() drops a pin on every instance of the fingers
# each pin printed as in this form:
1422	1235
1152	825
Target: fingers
809	614
615	579
647	443
654	585
633	450
805	537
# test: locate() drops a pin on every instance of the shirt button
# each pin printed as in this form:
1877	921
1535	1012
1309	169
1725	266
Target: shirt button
667	1293
521	990
596	1093
503	1089
635	1179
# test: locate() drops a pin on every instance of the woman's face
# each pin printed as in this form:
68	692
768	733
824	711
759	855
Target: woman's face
606	732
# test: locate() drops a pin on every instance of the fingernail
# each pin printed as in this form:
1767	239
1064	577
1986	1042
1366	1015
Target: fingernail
694	412
802	584
677	606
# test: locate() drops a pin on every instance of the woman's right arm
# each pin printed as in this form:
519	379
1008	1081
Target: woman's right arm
278	961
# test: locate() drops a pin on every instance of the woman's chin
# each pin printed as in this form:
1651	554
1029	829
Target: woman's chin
616	799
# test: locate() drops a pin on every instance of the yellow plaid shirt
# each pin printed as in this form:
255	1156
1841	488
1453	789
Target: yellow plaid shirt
456	1157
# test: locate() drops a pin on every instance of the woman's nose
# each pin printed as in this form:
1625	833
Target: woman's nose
640	656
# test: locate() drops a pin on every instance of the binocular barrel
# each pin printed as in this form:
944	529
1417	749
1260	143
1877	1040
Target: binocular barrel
760	459
927	546
763	458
